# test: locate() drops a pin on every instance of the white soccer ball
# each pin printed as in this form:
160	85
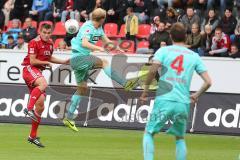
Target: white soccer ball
72	26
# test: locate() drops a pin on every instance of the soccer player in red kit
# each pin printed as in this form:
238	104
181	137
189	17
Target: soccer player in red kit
38	58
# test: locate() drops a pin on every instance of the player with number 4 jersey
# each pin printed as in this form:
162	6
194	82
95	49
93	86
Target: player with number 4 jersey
176	64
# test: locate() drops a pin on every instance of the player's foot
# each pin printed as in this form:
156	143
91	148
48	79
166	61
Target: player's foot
30	114
131	84
70	124
36	141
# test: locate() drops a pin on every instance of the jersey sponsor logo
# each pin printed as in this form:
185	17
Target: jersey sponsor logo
215	117
31	50
47	53
96	38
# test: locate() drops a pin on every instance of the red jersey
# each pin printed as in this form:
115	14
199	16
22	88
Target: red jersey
43	51
224	42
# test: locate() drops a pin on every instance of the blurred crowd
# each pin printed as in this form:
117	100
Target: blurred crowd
213	26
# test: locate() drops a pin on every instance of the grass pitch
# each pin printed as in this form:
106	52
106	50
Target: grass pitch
108	144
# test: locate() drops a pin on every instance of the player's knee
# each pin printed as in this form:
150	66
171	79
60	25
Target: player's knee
105	63
41	109
179	137
82	89
43	85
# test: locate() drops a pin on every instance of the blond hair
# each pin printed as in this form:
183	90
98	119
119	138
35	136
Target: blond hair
98	14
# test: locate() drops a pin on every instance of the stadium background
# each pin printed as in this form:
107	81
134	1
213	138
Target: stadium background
217	111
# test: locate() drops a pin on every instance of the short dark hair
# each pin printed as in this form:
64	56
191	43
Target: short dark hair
228	8
130	9
178	32
235	45
10	37
218	29
46	26
190	7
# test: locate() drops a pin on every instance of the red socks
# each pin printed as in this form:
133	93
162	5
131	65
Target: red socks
35	125
35	94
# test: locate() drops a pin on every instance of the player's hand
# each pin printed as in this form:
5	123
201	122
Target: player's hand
101	49
49	65
194	98
143	97
211	52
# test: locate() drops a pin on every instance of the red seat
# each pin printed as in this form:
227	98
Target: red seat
143	31
121	33
9	25
43	22
59	29
128	46
34	24
143	44
56	43
111	29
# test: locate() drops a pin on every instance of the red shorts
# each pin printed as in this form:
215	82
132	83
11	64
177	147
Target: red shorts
30	75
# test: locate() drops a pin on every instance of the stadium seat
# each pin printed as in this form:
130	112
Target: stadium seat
111	29
127	46
143	44
121	33
57	41
9	25
59	29
34	24
43	22
143	31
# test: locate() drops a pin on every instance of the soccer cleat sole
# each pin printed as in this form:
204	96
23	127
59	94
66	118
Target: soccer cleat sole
29	116
132	85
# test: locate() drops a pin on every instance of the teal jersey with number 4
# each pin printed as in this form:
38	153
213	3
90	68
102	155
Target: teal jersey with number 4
88	31
178	65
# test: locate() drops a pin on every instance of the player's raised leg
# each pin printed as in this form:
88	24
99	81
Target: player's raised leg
33	138
40	87
111	73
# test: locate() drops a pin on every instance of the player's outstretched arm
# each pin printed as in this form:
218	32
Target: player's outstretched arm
59	61
87	44
151	75
106	40
207	84
36	62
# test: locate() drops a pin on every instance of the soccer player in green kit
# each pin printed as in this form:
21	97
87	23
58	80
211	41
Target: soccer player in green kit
82	61
179	64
